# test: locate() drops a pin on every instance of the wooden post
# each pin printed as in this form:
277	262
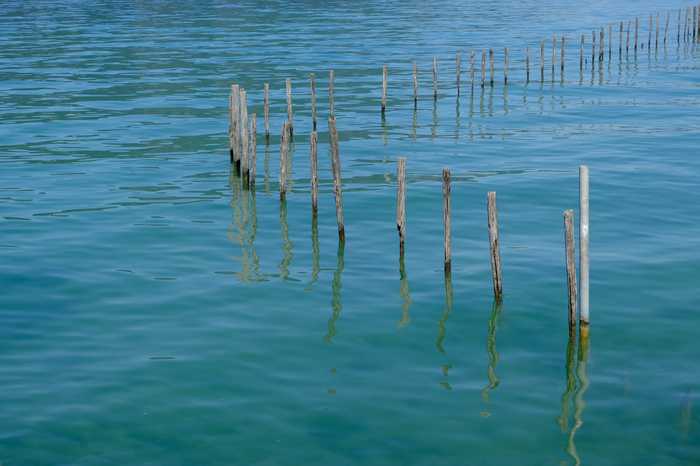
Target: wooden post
331	93
668	19
505	66
527	65
554	56
636	33
471	67
385	79
627	42
290	113
562	58
651	27
583	243
337	184
580	53
284	151
253	150
235	118
593	55
435	78
313	142
491	67
458	71
244	134
401	202
695	23
493	242
601	54
570	266
656	40
610	39
678	35
312	77
622	28
266	110
415	84
446	219
483	67
542	61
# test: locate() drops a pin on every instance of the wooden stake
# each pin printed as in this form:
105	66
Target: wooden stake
415	83
527	65
491	67
493	242
570	266
266	110
601	54
235	118
593	55
337	184
284	152
435	78
253	149
627	43
483	67
554	56
505	66
542	61
471	67
385	79
331	93
580	53
636	33
244	134
313	142
668	20
656	41
583	243
610	39
446	219
290	113
458	72
312	78
401	202
651	27
562	59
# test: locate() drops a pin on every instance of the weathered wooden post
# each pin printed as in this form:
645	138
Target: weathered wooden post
458	71
290	113
266	110
415	84
471	67
491	68
562	58
284	151
446	219
235	119
593	54
610	39
601	54
435	78
656	39
494	247
312	78
527	65
401	202
570	267
668	20
583	243
505	66
622	29
244	135
580	54
385	79
331	93
337	183
313	143
253	150
651	28
483	67
678	24
636	33
554	56
542	61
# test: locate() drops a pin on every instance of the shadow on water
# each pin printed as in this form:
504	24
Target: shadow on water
579	402
287	252
439	343
336	288
492	352
405	293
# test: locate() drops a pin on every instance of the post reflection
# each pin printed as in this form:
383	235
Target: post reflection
439	343
287	252
579	402
433	127
570	383
244	227
336	287
492	352
414	122
266	166
404	292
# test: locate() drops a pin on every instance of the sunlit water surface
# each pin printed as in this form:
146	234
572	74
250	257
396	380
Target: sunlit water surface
153	312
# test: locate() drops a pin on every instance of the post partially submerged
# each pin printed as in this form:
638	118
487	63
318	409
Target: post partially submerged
447	240
284	152
435	78
313	143
494	247
312	78
385	78
570	268
337	184
401	202
583	244
266	110
253	150
331	93
290	113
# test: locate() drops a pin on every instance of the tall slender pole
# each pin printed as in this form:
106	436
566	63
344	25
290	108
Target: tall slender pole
244	133
415	83
337	184
636	33
290	113
583	243
494	246
483	67
471	67
446	219
313	154
435	78
253	150
385	79
562	58
554	56
580	53
458	72
401	202
331	93
235	119
312	78
284	151
266	110
542	61
505	66
527	65
491	68
570	267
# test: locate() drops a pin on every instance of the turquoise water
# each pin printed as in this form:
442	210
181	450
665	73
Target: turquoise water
153	312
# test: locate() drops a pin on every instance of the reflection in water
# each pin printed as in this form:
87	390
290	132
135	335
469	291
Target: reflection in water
457	119
404	292
579	402
286	243
266	165
446	313
433	129
491	101
336	287
315	252
492	353
245	224
505	100
414	122
570	383
686	415
385	132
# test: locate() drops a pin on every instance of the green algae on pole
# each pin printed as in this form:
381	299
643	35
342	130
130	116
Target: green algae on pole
337	183
570	249
583	244
494	247
385	78
401	202
313	143
447	239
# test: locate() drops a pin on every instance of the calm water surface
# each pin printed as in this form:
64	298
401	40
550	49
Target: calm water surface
153	312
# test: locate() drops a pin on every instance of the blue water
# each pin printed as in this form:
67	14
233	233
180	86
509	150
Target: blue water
154	312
